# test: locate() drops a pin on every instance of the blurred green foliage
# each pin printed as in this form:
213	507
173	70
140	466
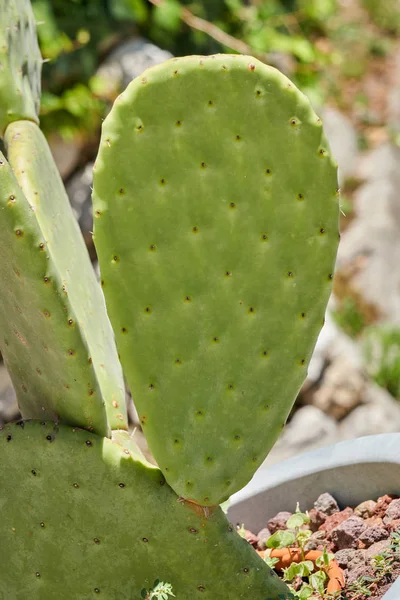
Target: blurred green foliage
349	317
306	38
382	356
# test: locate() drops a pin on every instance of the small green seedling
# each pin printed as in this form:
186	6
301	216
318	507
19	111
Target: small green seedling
296	535
160	591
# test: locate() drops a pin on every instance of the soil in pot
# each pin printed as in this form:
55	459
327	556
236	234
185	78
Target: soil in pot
332	553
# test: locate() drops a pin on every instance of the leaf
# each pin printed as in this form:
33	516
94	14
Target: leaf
167	15
280	539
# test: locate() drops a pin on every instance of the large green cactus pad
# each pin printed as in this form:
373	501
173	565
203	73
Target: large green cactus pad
216	226
20	63
37	175
55	335
83	518
40	339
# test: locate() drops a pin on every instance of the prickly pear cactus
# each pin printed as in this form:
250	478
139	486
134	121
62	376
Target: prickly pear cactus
216	227
56	338
20	63
83	517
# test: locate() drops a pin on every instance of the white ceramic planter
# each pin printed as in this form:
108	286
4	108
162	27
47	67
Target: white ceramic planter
352	471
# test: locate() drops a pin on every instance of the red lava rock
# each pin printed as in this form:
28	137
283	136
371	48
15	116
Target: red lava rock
346	534
251	538
383	504
374	521
279	521
394	525
371	535
263	536
316	519
392	512
334	520
365	509
327	504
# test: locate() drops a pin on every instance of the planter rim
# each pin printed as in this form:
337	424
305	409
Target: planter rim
380	448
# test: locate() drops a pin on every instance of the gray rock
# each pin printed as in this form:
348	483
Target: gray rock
393	106
263	536
326	504
347	533
342	138
379	414
371	244
372	535
392	512
332	344
79	190
8	400
316	539
350	556
377	548
279	521
341	389
317	518
128	61
309	428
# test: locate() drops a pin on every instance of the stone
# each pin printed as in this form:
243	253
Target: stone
352	574
334	520
394	526
308	429
374	236
263	536
350	556
393	100
66	154
377	548
343	141
365	509
382	504
341	389
380	413
251	538
372	535
316	519
332	344
373	521
279	521
128	61
326	504
347	533
392	512
316	541
8	400
79	190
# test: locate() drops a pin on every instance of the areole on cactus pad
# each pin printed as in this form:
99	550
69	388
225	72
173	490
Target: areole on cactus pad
216	226
85	517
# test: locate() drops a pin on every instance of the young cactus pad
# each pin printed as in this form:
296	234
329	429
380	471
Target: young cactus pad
216	226
20	63
56	338
83	517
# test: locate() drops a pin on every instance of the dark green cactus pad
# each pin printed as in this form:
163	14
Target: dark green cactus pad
216	226
20	63
82	517
55	335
